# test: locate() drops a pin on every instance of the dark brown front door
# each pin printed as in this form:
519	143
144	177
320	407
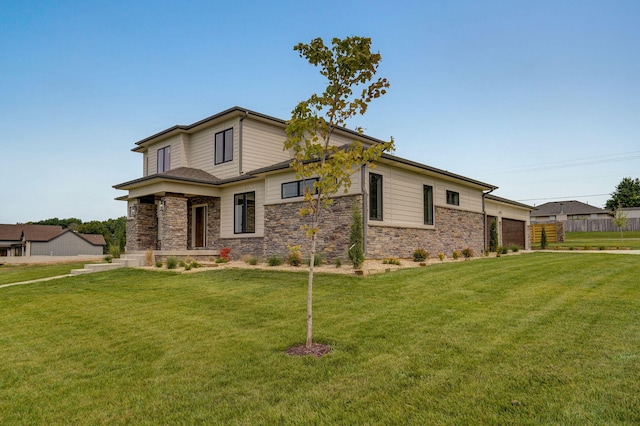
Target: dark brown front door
200	221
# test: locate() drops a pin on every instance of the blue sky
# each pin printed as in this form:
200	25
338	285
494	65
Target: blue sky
541	98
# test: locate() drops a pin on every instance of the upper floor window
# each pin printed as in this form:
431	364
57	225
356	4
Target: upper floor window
224	146
427	199
244	210
164	159
298	188
375	196
453	198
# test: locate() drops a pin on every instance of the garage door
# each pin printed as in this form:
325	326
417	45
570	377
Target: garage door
513	232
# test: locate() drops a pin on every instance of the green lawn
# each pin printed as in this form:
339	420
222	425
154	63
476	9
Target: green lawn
18	273
600	240
543	338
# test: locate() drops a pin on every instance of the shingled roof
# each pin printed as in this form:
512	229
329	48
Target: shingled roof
42	233
571	207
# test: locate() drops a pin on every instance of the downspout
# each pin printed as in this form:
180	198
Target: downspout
365	214
240	171
484	214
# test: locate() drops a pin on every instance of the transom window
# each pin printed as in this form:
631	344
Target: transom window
427	195
164	159
224	146
244	210
375	196
453	198
298	188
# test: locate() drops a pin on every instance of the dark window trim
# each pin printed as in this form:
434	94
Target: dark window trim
378	199
166	159
427	201
244	225
453	198
227	147
299	189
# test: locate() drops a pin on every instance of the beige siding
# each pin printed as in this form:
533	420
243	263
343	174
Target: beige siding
470	198
498	209
177	153
262	145
227	214
202	155
273	185
402	198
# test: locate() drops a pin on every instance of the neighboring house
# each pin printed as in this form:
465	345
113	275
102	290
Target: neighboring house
225	181
631	212
559	211
47	240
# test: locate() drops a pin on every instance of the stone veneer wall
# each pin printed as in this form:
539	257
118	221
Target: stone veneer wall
250	246
172	224
213	220
283	228
142	230
455	230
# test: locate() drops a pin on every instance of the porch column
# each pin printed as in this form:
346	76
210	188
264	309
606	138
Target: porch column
142	227
172	223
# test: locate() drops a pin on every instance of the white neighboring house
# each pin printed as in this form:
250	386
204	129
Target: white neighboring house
225	181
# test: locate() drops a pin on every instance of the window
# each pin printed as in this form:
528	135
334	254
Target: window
298	188
427	199
244	208
164	159
224	146
453	198
375	196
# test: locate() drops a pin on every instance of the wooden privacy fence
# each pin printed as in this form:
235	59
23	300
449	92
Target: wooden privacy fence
555	232
600	225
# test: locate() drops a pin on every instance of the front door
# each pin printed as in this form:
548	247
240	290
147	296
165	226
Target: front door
200	226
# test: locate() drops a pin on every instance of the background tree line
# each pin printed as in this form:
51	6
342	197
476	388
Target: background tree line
113	230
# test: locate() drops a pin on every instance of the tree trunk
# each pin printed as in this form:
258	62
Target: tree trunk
310	292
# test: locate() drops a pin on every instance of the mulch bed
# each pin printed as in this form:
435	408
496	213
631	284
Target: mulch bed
316	349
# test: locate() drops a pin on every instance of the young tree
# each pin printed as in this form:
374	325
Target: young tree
620	219
627	194
543	238
493	236
356	249
348	65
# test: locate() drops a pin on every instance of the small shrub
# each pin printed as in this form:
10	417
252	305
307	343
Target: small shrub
338	262
587	247
487	251
295	257
514	248
187	267
195	264
158	264
420	255
467	253
441	256
543	238
390	261
317	260
498	251
601	248
274	261
221	260
108	258
504	250
225	253
572	248
114	250
455	255
172	263
356	248
253	261
182	264
148	257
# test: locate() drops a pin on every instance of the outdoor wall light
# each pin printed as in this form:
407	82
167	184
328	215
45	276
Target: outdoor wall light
161	207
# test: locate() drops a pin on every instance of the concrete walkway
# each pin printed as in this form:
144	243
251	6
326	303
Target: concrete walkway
36	281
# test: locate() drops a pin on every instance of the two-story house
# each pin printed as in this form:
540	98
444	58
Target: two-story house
225	181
